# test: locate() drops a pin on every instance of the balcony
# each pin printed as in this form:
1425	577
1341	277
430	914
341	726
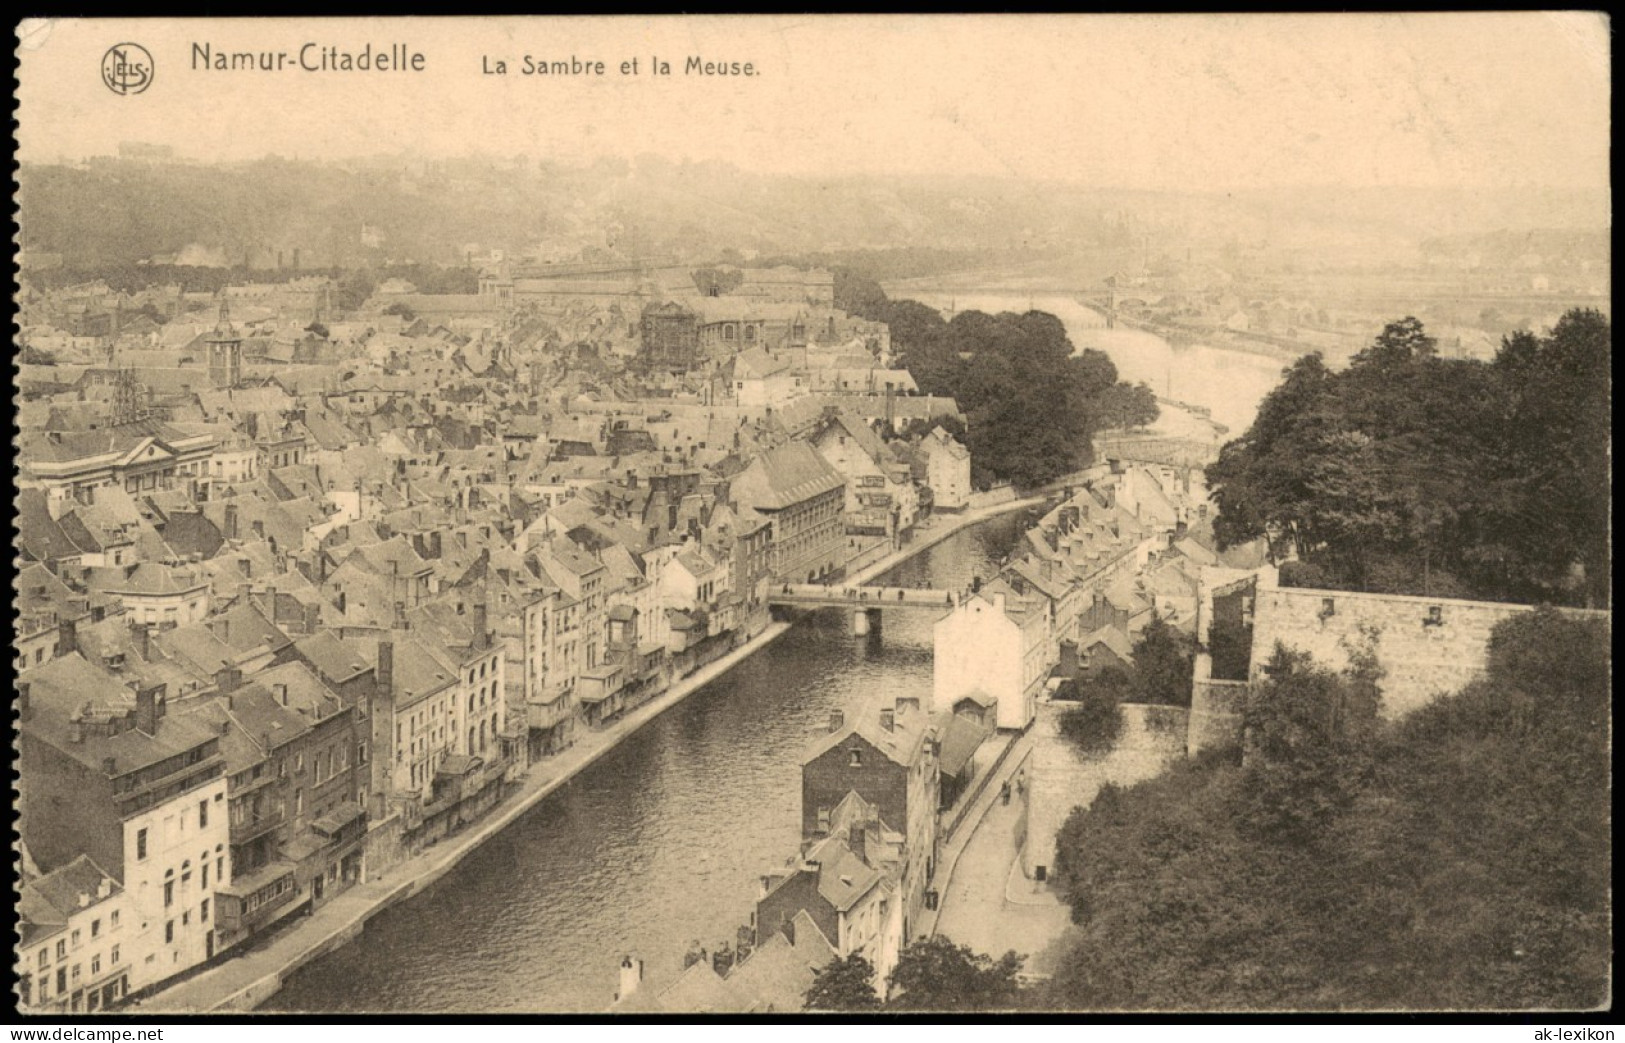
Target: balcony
243	832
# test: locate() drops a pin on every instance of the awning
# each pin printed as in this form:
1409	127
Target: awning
340	816
457	764
258	880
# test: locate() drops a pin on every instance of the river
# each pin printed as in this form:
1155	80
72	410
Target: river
1230	383
659	843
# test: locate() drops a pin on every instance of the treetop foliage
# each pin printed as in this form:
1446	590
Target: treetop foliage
1411	473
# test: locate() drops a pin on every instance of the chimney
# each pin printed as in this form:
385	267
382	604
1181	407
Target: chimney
385	675
67	637
141	637
24	711
109	766
258	527
148	709
400	616
229	679
482	633
837	720
280	690
313	618
998	602
888	719
231	521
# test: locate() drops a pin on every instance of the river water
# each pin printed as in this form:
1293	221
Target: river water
657	844
1230	383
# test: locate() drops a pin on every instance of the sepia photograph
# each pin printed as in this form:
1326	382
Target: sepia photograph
836	516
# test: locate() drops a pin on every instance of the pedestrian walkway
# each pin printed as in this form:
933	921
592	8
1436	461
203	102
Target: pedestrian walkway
982	907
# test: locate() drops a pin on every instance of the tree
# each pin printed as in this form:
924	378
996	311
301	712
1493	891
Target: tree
1163	659
842	985
1415	474
1306	733
934	974
1095	719
1125	405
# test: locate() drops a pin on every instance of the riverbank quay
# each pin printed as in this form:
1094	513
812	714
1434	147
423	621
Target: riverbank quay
246	980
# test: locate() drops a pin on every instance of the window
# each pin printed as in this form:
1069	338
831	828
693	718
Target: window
112	956
169	931
112	920
202	814
95	965
298	802
823	820
204	883
203	911
169	893
855	758
140	845
44	958
95	928
75	937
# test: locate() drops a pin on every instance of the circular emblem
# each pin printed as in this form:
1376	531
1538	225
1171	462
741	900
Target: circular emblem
127	68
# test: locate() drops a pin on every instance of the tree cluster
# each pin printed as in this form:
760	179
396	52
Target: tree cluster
1410	473
932	974
1458	858
1033	403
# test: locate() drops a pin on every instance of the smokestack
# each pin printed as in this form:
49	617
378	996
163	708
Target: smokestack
482	635
385	675
837	720
148	708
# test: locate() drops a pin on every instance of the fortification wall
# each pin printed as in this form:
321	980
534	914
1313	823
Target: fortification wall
1060	778
1427	647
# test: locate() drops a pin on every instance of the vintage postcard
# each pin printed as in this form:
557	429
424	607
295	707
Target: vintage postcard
826	514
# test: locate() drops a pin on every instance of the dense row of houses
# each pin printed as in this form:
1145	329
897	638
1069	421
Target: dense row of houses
280	625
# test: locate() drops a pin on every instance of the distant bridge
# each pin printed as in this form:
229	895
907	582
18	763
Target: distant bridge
866	603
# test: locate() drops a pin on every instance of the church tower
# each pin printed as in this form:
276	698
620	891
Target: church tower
225	350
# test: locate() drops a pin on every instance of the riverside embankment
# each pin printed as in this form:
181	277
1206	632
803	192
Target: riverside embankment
629	852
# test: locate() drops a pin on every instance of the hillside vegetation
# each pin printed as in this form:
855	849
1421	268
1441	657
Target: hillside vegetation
1458	859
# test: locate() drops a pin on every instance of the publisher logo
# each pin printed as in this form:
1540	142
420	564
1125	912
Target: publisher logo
127	68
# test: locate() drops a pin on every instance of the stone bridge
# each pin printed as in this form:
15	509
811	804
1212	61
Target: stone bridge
866	602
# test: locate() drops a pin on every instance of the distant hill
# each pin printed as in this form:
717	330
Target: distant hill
369	211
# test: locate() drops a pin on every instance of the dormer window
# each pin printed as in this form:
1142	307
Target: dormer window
1435	616
854	758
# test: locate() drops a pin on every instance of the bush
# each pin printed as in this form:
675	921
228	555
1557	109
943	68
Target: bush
1096	720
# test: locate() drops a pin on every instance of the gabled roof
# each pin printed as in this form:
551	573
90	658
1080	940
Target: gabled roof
786	475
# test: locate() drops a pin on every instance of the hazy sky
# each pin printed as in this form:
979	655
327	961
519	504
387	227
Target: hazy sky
1145	101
